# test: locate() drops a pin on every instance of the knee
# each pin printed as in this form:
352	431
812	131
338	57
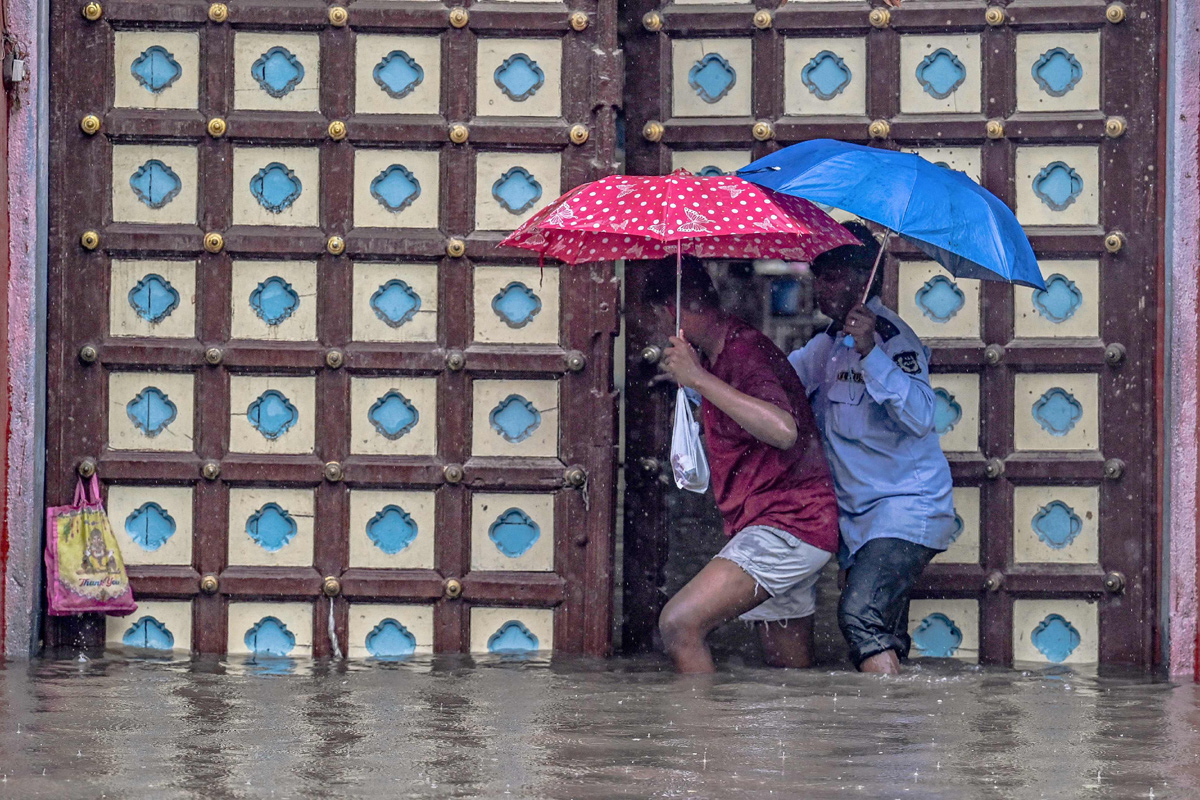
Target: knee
855	615
676	628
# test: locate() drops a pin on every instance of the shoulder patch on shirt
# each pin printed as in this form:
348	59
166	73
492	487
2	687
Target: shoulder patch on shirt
886	329
908	362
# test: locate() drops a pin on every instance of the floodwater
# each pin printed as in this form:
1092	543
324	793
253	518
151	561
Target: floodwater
566	728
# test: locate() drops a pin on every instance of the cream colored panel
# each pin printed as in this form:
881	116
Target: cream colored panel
957	411
392	529
516	305
825	77
1068	65
279	629
947	628
1058	185
965	549
531	177
530	70
706	162
393	416
515	418
709	2
1070	306
165	296
271	527
290	65
962	159
396	188
950	67
286	414
161	402
1056	631
153	524
513	629
935	305
386	82
711	77
1056	524
279	292
388	631
1056	412
290	179
156	625
154	183
395	302
156	69
512	532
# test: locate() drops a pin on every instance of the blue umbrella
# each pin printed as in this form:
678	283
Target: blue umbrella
945	214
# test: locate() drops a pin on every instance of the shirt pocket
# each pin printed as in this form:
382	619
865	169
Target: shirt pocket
847	409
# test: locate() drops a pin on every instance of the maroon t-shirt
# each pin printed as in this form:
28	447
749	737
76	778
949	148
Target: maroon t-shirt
755	483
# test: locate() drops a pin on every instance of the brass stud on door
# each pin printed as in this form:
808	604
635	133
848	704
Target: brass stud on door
92	12
993	355
1114	242
652	21
214	242
994	468
214	355
337	130
579	22
209	584
651	353
331	587
86	468
1115	127
880	128
575	477
995	16
90	240
338	16
763	19
575	361
459	133
453	473
90	124
211	470
653	131
579	134
334	359
1114	354
1114	468
453	589
994	581
456	248
333	472
1115	13
336	245
1114	582
995	129
762	131
88	354
459	17
218	12
456	360
880	18
217	127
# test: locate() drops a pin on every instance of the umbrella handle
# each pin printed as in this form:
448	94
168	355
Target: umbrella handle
679	289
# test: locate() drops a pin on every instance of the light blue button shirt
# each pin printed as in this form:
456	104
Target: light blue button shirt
876	414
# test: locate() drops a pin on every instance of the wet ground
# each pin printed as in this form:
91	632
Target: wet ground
587	729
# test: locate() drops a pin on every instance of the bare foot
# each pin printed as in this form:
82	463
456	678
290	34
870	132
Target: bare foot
885	663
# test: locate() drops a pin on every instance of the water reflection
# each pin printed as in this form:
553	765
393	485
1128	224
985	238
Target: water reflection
500	727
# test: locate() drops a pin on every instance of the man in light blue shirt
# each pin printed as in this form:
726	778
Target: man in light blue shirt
867	378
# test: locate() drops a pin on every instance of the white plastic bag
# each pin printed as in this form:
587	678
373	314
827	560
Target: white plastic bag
688	461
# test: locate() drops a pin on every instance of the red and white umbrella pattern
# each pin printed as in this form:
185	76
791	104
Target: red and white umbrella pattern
651	217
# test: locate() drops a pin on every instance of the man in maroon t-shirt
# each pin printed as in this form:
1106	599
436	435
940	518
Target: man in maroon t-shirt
769	477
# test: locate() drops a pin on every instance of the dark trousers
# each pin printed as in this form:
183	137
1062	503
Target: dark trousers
873	611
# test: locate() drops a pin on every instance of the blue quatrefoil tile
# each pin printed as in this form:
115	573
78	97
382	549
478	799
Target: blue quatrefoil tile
396	188
1058	185
398	74
1055	638
276	187
274	300
515	419
271	527
156	69
390	639
826	75
514	532
1059	301
946	411
712	77
519	77
937	636
396	303
940	299
940	73
393	415
272	414
512	637
151	411
959	527
392	529
270	637
150	634
1057	411
155	184
710	172
1057	72
517	190
516	304
153	298
278	71
150	526
1057	525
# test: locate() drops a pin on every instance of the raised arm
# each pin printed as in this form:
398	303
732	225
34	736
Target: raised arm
896	372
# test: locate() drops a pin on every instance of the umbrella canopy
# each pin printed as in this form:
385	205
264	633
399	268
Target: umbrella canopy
650	217
945	214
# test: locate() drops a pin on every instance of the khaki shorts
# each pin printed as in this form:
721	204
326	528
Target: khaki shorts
786	568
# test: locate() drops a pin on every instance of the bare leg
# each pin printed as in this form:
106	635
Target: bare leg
720	592
789	644
885	663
